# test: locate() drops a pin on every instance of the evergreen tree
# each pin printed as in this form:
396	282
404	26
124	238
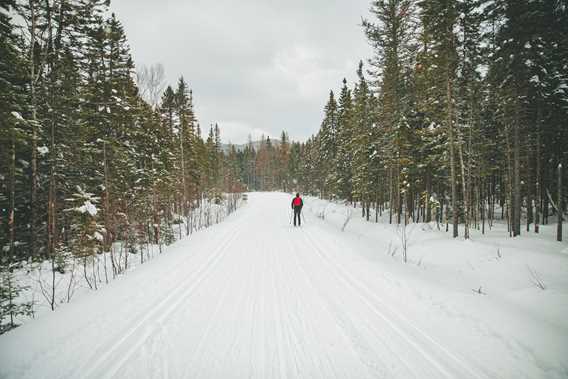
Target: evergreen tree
439	19
362	147
327	139
282	162
345	137
12	139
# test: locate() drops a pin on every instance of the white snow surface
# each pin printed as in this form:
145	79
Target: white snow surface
88	207
254	297
42	150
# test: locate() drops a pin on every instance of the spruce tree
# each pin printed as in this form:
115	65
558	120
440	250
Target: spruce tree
439	19
327	148
344	157
362	147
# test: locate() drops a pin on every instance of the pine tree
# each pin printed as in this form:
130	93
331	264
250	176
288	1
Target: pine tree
345	131
327	139
466	97
10	289
12	137
12	134
392	34
528	69
282	162
439	19
362	147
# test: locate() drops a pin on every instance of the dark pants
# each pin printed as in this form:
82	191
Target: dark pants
297	211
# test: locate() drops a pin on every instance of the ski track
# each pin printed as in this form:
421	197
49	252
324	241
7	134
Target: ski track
445	362
152	320
259	299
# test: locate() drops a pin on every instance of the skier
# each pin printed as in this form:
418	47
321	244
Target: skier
297	205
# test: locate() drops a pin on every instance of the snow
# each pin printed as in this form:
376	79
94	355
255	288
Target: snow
87	207
254	297
99	237
18	116
534	79
42	150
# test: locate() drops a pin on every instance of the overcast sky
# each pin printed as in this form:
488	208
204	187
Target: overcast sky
255	66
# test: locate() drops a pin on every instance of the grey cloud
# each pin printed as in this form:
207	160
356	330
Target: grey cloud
255	66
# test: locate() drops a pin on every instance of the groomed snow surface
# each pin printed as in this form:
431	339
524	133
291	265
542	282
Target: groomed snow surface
254	297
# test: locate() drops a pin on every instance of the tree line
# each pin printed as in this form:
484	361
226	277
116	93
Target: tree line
459	117
91	153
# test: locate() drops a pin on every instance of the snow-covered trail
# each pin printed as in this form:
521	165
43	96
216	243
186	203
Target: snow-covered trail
252	297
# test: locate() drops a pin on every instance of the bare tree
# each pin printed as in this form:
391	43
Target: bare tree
151	82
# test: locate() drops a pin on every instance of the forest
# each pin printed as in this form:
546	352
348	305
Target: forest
459	118
88	157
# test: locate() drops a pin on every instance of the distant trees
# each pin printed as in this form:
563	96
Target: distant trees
266	164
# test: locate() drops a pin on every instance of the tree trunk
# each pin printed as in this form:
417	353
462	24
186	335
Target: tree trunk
109	236
184	200
516	206
559	201
390	194
52	192
482	206
427	206
452	164
538	200
529	193
398	194
509	184
51	208
34	181
465	194
12	203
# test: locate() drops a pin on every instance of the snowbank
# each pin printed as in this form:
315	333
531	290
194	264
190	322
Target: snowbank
76	276
512	289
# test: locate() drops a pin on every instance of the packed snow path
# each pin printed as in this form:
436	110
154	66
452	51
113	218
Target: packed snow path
252	297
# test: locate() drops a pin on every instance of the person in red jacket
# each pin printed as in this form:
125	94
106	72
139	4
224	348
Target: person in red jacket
297	205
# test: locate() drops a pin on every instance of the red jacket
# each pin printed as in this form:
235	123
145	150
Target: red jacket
297	202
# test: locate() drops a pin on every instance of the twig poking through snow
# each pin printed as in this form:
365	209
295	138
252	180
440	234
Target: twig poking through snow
560	213
347	219
535	278
479	291
401	231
